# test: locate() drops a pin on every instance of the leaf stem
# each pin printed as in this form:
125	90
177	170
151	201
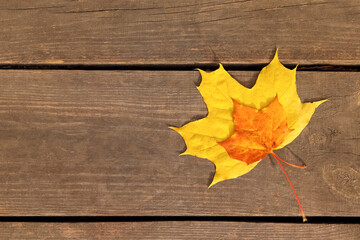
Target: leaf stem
302	211
293	165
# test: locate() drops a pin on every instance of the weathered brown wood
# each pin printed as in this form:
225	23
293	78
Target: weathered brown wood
179	32
97	143
177	230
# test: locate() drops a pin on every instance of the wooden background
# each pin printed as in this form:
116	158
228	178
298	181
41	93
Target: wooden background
89	88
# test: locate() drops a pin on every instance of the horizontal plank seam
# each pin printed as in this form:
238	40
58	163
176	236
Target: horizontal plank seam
177	67
255	219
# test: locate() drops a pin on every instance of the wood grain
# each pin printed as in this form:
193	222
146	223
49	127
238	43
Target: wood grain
179	32
96	143
177	230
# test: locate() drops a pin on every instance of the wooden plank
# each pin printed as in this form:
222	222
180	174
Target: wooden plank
177	230
97	143
179	32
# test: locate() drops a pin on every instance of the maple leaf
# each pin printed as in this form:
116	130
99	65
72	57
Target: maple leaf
244	125
256	133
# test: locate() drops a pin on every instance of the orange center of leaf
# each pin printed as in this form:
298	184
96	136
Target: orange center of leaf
256	132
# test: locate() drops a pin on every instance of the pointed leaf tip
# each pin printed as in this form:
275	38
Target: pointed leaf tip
318	103
212	183
183	153
221	67
275	59
276	56
173	128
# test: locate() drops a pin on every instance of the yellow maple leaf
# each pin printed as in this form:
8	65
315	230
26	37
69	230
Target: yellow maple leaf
206	138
